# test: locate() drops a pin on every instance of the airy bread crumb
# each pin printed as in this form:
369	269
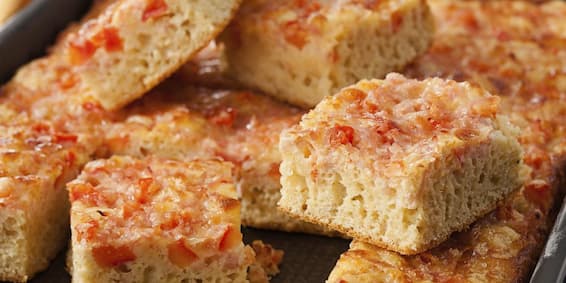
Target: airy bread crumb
400	163
35	163
302	51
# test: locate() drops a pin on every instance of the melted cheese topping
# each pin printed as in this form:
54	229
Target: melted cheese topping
119	201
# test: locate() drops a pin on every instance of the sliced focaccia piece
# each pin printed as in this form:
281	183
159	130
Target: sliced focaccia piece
182	122
302	51
156	220
124	48
35	163
400	163
514	49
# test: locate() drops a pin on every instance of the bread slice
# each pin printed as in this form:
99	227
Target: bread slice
400	163
181	122
124	48
156	220
302	51
481	42
35	163
10	7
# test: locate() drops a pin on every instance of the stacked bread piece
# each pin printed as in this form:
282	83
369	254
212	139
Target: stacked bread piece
400	163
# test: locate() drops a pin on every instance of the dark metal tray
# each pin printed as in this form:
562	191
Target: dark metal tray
307	258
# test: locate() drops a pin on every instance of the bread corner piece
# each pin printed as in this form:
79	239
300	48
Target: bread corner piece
302	51
156	220
125	48
35	163
400	163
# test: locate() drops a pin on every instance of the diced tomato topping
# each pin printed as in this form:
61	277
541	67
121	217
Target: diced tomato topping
180	255
111	39
469	19
230	239
295	33
83	192
129	208
41	128
80	52
87	230
143	195
274	171
396	21
341	135
71	158
154	9
224	117
65	138
109	256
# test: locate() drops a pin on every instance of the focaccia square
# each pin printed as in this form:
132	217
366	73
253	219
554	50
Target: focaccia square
302	51
156	220
35	163
400	163
122	49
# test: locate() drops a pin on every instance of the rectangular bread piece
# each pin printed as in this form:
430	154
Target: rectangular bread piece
182	122
400	163
515	49
156	220
35	163
123	48
301	51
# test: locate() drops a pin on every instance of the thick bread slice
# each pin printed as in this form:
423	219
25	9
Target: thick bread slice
400	163
126	47
512	48
35	163
302	51
156	220
182	122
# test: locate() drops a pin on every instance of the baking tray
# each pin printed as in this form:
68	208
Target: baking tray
308	258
